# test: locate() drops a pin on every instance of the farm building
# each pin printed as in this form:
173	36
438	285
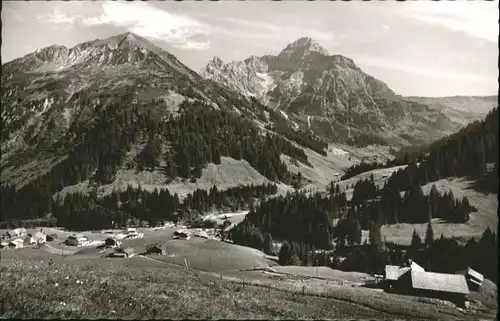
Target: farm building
10	234
158	250
40	237
29	240
111	242
51	237
75	240
392	275
123	253
474	278
20	231
16	244
182	235
407	280
451	287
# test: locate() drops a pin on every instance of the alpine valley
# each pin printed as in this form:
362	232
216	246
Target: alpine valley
112	115
297	172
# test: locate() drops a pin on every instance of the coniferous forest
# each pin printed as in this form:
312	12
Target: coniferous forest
185	143
305	223
465	153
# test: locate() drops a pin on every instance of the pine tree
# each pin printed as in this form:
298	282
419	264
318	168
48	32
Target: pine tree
357	234
416	241
268	244
429	236
285	253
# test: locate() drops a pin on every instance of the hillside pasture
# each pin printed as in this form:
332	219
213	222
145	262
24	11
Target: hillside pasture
486	215
326	273
212	255
110	290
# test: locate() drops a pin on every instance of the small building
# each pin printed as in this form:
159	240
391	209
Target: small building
392	275
10	234
21	232
29	240
40	237
131	230
157	249
123	253
450	287
111	242
16	244
4	245
182	235
474	278
76	240
51	238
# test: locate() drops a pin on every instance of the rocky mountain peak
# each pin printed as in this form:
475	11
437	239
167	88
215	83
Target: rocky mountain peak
216	62
303	46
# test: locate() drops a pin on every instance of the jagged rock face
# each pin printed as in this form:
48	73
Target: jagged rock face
107	53
330	95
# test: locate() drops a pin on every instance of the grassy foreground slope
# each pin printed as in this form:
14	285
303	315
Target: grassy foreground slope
87	290
136	288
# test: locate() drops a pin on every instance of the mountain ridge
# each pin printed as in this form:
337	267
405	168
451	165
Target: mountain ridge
332	96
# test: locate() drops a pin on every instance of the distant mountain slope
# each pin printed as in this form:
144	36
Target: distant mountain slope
332	96
54	98
109	113
461	109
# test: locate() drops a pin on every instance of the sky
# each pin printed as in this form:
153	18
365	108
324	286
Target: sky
418	48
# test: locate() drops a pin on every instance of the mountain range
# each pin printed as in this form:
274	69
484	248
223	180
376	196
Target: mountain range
333	97
57	99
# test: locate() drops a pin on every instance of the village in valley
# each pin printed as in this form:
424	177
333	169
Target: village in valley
462	290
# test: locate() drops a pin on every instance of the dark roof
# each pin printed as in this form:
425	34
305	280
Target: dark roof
453	283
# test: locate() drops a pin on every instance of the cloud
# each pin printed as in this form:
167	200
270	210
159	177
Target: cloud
149	22
60	18
476	18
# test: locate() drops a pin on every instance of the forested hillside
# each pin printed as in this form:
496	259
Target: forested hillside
465	153
187	143
307	222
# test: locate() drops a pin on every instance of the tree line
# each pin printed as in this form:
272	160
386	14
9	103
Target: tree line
136	205
200	135
182	145
465	153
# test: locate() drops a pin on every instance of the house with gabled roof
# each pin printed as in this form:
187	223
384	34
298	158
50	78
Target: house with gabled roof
16	244
123	253
158	249
450	287
21	231
111	242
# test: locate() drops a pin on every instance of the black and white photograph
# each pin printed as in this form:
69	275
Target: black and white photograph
284	160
